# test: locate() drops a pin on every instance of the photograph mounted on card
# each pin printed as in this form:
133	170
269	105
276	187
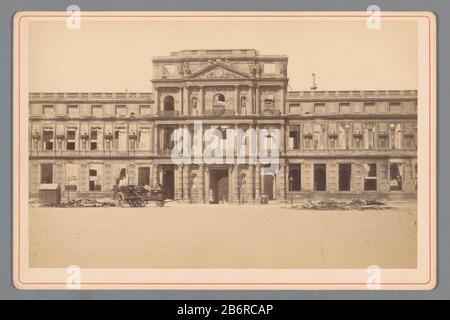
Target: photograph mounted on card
225	150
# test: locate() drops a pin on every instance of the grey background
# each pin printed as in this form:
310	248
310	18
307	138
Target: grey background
7	10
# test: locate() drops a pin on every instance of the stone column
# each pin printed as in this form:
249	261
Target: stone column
179	182
155	138
157	104
186	101
282	139
257	183
230	184
200	102
251	107
236	183
152	139
186	182
284	178
283	100
257	99
201	182
155	174
236	100
251	182
206	184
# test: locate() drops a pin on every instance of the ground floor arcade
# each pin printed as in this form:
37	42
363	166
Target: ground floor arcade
293	180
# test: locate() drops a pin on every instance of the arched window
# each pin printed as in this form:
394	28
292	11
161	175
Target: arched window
169	103
219	100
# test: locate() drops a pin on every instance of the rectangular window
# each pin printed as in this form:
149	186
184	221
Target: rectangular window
46	173
318	136
93	137
396	176
144	109
294	139
319	107
71	138
395	107
72	171
121	110
295	178
320	177
370	177
344	107
370	107
345	172
72	110
48	139
96	110
95	177
48	109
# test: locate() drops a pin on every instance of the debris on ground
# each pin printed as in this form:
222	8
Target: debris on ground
355	204
83	203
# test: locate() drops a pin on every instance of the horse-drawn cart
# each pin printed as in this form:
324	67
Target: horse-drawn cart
137	196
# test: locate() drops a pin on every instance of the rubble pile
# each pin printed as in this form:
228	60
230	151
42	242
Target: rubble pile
77	203
355	204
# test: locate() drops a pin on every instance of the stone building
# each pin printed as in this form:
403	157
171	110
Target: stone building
331	143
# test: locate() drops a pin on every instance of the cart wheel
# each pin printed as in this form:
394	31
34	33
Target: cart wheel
139	202
160	203
119	199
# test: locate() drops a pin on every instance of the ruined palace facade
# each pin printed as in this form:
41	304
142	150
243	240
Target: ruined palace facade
331	144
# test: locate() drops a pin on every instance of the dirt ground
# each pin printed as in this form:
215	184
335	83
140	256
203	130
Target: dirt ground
223	236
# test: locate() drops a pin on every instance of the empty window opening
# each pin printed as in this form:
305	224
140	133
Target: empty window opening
370	177
294	139
294	178
320	177
46	173
395	176
345	172
95	177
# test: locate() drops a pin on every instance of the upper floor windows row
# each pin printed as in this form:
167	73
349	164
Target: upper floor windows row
86	110
353	107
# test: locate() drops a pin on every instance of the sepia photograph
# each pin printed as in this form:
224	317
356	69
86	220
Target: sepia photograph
189	150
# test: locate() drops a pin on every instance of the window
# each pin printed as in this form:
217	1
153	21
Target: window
319	107
320	177
294	139
370	177
97	110
46	173
143	138
169	103
396	134
370	107
72	110
144	109
93	137
71	138
344	107
95	177
294	177
395	107
345	172
48	139
318	136
121	110
395	176
72	171
369	136
48	109
219	100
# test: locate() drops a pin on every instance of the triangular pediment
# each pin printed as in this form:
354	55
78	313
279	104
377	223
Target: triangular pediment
219	71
